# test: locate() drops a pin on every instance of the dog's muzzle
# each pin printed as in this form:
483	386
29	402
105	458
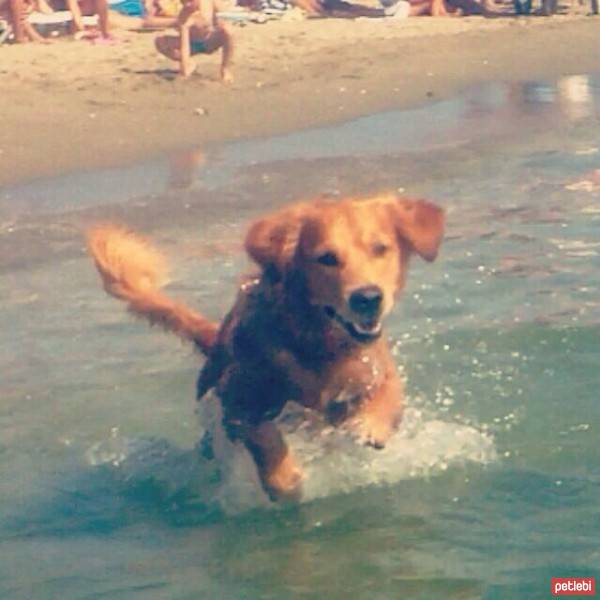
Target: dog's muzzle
363	331
366	301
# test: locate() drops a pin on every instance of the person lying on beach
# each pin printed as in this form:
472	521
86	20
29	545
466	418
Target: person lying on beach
144	14
312	7
417	8
391	8
458	8
200	32
134	15
398	8
15	13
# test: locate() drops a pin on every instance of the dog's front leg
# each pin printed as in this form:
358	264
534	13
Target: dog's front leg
279	473
379	416
306	385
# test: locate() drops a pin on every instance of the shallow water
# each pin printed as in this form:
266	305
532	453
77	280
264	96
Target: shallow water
491	487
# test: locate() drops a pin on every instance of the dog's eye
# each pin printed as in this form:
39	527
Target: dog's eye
328	259
379	249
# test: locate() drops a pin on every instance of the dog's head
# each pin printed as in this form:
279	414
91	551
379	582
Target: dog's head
351	255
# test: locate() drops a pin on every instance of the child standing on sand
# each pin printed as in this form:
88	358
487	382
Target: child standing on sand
200	32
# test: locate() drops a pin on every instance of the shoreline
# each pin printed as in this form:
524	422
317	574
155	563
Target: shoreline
71	106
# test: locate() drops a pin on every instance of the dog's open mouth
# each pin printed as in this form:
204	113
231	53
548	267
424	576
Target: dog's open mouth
364	331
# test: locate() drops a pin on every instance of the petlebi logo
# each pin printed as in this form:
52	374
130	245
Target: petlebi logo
573	586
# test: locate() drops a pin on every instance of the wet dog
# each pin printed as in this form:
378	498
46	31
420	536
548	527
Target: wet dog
307	328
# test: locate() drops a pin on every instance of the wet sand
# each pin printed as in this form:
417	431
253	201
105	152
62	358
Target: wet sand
72	106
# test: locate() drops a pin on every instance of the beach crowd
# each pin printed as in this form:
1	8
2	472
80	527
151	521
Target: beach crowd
205	26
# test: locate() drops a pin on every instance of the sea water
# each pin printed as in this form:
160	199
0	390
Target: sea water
490	488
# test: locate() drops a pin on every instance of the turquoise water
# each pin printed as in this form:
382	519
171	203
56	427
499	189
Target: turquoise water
492	486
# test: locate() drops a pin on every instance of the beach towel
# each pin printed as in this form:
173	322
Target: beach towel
58	17
129	8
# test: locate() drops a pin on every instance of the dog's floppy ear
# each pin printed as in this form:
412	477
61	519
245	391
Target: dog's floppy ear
420	223
271	242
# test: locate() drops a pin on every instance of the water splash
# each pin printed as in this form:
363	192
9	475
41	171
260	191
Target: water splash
333	462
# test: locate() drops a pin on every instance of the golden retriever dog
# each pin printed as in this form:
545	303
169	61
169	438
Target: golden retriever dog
307	328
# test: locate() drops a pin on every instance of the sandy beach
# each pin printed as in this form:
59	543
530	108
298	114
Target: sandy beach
71	105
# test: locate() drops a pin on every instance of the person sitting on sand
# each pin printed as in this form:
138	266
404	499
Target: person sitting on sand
79	8
200	32
14	12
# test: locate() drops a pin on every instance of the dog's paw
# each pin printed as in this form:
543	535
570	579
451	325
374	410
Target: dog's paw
284	482
373	431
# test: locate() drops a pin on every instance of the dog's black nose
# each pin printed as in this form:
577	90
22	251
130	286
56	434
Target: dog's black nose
366	300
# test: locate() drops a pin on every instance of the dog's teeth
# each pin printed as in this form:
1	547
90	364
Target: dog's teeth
364	330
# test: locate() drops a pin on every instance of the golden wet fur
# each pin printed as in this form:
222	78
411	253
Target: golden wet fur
307	328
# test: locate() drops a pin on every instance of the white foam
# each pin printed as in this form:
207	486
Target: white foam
334	462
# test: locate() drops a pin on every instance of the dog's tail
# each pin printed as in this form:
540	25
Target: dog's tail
134	271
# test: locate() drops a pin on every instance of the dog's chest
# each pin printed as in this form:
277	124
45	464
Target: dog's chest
349	383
